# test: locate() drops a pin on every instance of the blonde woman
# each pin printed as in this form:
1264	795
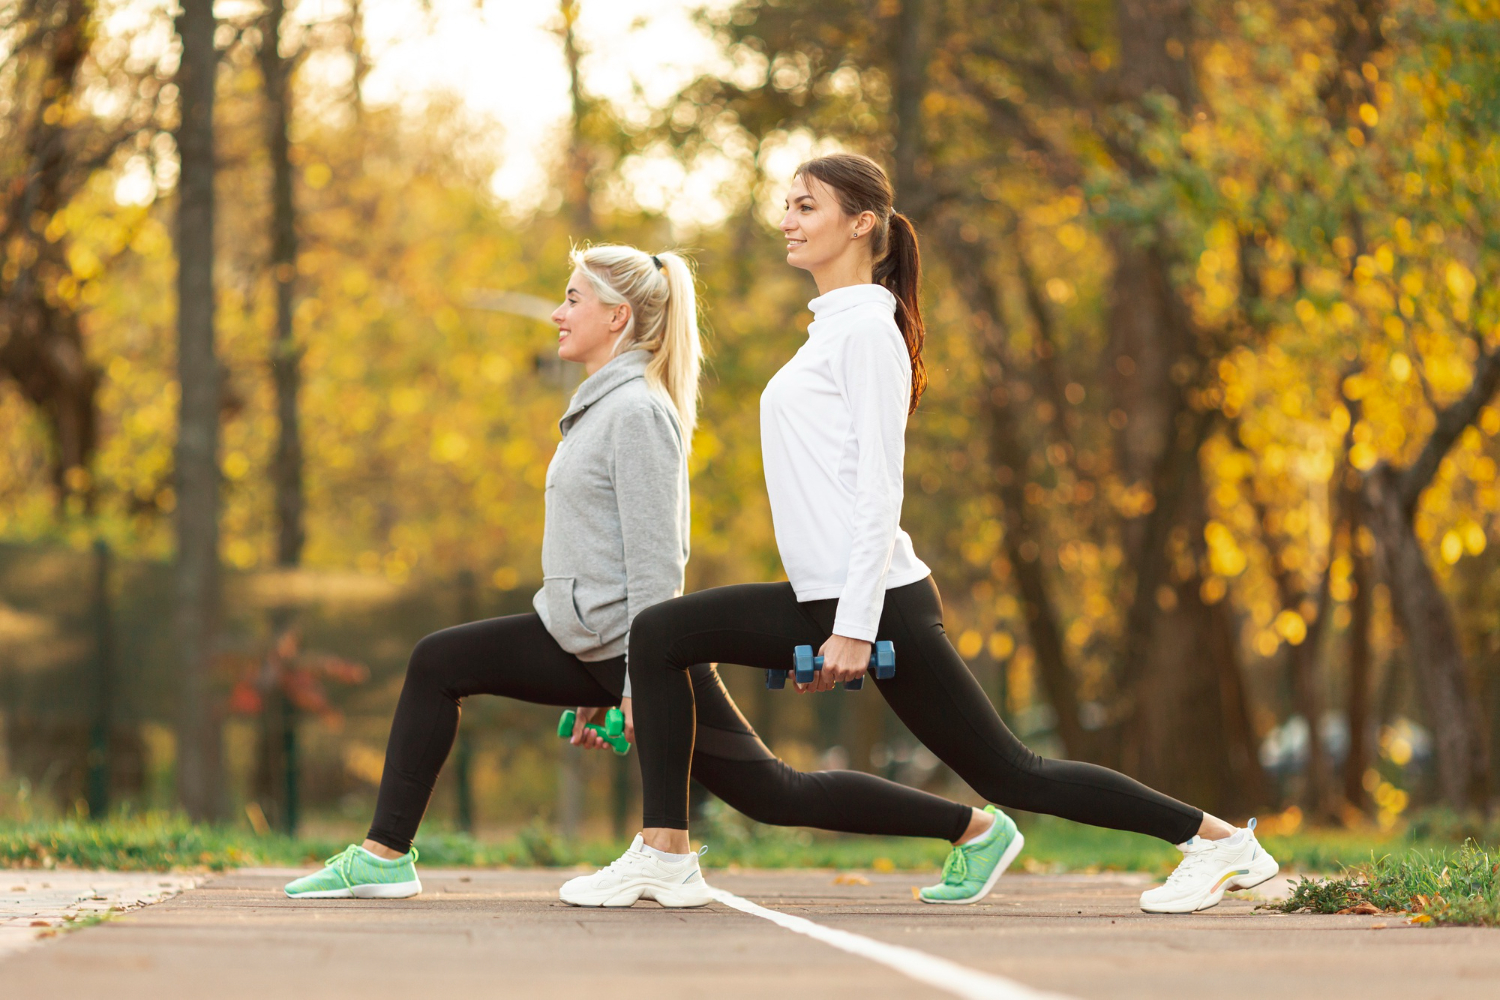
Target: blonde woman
615	543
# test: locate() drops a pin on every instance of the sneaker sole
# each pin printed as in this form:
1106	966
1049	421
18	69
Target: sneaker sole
387	890
668	896
1248	880
372	890
989	883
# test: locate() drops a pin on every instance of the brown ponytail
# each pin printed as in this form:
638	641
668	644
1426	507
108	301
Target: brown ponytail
861	186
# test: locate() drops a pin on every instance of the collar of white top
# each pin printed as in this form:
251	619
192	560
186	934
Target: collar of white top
850	296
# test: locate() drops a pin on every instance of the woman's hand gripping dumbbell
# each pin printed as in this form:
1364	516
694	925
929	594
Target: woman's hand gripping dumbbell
840	659
575	727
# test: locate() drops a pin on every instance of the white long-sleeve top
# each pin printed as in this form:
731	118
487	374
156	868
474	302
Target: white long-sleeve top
833	442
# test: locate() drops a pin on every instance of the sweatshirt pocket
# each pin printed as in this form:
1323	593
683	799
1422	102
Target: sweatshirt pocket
564	622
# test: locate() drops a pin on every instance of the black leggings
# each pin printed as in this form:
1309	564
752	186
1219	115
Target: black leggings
517	658
933	693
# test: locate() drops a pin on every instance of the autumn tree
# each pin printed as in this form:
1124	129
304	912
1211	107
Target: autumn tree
55	144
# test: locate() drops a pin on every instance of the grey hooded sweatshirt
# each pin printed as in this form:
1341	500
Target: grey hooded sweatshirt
616	534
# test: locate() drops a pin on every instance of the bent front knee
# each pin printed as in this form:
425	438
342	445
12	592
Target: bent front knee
431	664
652	633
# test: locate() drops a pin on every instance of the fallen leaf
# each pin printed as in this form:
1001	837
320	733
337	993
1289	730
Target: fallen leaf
850	878
1378	927
883	865
1421	918
1367	908
40	923
916	893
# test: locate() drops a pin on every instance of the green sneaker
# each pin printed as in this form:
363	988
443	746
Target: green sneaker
355	873
972	870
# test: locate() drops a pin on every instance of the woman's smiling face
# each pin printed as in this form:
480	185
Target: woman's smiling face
587	328
816	229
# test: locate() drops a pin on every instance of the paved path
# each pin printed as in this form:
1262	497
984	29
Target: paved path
504	934
34	904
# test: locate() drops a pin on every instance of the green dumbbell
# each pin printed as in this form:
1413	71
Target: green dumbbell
612	732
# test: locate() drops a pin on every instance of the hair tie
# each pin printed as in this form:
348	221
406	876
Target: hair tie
657	261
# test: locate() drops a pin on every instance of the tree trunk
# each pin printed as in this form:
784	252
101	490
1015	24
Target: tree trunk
360	59
1249	789
279	765
1008	462
101	733
1390	496
199	779
1361	616
1168	670
577	188
1302	661
286	467
1432	638
911	85
1154	37
1186	716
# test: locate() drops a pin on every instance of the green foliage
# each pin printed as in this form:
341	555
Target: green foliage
164	843
146	843
1439	886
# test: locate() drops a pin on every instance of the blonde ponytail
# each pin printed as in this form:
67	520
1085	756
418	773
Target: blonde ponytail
663	318
678	361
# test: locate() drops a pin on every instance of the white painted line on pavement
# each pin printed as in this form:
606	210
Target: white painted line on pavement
951	977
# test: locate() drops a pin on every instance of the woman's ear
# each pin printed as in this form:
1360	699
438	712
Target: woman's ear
618	317
864	222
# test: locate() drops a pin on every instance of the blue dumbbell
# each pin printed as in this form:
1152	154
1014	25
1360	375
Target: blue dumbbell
805	665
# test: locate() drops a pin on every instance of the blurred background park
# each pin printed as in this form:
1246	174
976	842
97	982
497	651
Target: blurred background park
1206	471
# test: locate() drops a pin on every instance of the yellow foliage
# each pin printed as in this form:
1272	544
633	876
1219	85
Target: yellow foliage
1291	626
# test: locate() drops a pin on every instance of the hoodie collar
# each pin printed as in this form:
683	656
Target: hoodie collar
616	372
848	297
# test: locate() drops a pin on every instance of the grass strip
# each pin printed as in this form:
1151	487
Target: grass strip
1443	886
164	842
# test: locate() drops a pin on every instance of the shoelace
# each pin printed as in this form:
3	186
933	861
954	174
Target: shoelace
956	868
341	863
617	865
1190	861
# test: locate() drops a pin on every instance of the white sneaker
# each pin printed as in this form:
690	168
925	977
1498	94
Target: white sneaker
639	874
1209	869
